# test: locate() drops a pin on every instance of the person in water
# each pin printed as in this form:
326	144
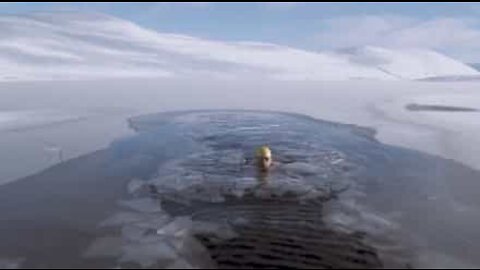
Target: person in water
264	158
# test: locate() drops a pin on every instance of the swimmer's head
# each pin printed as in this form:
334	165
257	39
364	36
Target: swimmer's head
264	157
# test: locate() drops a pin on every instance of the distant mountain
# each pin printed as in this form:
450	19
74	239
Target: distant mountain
475	66
49	46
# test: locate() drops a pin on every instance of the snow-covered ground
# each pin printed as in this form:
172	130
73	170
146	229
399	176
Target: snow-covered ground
449	134
31	140
52	46
18	120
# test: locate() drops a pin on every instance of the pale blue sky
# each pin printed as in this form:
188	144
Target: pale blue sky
452	28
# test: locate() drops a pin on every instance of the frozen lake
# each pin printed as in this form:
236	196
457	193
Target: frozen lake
34	140
417	199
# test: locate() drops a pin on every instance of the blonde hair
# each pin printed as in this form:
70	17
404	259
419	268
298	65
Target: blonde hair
264	151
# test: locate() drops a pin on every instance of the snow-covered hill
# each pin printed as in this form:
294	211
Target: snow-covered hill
74	46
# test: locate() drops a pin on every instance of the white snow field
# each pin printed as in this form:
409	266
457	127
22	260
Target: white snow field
18	120
34	139
49	46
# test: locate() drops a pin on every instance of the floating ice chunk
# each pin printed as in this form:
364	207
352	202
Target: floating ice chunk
177	228
341	220
142	220
139	234
158	253
134	233
145	205
174	246
337	161
194	253
376	223
222	231
135	185
154	221
109	246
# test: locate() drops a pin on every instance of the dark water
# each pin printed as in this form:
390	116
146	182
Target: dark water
438	108
185	192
